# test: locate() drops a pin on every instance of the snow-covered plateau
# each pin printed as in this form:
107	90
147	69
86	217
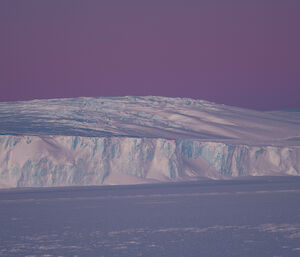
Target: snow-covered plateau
131	140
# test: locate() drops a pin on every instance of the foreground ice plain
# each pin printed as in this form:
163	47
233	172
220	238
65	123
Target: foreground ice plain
251	217
131	140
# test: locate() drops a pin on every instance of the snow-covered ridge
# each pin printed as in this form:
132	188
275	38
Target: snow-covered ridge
151	117
123	140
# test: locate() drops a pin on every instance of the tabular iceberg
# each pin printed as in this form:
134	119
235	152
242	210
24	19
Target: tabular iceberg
130	140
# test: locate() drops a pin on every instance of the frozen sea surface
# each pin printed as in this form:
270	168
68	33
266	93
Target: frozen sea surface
246	217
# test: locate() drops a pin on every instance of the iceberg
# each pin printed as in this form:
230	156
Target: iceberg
132	140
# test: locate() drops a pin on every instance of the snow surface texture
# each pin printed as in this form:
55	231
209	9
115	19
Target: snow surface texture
130	140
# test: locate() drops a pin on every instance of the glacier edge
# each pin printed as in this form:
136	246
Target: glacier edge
38	161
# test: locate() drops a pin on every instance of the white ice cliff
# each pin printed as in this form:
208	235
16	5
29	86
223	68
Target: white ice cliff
125	140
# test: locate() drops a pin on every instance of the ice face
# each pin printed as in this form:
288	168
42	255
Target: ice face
73	160
93	141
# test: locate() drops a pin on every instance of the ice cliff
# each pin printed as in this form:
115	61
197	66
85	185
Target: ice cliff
92	141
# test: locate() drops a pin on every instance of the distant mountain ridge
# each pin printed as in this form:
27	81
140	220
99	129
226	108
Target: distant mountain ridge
121	140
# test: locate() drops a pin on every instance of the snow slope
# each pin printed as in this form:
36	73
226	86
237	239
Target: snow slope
124	140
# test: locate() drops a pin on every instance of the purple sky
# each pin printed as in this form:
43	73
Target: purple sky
242	53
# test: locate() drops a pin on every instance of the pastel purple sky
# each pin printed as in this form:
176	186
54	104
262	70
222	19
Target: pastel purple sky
242	53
